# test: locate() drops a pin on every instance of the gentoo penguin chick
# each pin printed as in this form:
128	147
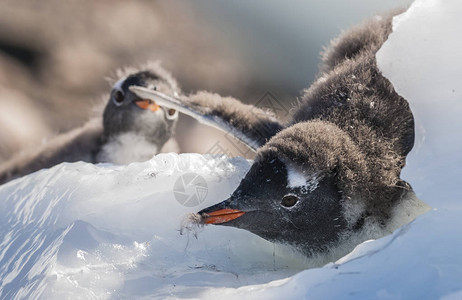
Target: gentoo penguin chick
330	178
130	129
135	129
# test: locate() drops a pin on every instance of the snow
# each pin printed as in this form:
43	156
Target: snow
103	231
422	59
95	231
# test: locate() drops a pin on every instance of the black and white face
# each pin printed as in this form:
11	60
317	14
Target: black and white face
282	204
127	112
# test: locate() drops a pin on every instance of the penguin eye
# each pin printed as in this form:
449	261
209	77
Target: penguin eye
118	97
289	200
171	114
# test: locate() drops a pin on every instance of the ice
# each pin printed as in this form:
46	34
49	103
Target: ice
95	231
103	231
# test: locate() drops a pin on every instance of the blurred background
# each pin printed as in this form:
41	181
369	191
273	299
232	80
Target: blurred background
55	56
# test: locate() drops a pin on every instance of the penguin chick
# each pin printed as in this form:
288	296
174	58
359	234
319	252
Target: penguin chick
135	129
330	178
131	129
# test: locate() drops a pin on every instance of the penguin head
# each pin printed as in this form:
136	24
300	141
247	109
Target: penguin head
284	205
298	190
126	112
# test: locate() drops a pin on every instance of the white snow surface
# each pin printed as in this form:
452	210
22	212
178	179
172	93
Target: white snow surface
103	231
85	231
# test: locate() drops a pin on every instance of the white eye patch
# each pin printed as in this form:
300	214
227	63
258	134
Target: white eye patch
119	83
297	179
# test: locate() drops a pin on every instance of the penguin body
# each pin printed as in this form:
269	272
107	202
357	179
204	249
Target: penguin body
130	129
329	178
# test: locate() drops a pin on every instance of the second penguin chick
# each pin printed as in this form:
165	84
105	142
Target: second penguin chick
135	129
130	129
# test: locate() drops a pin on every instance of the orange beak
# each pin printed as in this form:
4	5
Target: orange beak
222	216
147	104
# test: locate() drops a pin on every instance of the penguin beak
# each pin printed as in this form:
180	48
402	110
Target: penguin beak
147	104
220	213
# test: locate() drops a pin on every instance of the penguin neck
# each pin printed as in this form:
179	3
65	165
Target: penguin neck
127	147
405	211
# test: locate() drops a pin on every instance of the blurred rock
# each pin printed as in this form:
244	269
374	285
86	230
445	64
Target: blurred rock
22	124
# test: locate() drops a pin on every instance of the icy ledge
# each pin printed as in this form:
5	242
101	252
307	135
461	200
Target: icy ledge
86	231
